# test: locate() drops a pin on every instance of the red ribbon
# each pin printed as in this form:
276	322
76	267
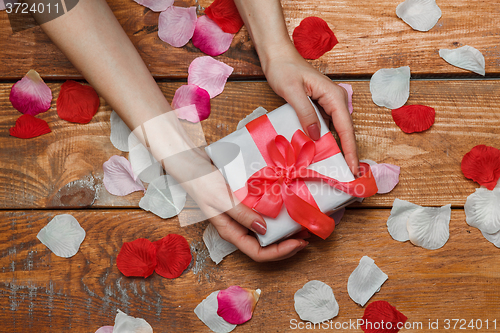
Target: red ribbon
282	180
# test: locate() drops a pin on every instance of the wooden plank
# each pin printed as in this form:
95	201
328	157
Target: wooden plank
64	168
370	36
42	292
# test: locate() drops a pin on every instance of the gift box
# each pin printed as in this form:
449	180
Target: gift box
293	182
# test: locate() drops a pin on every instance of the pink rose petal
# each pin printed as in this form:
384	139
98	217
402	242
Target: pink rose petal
104	329
188	113
209	74
176	25
348	88
210	38
236	304
386	176
2	5
156	5
191	94
31	95
119	178
337	216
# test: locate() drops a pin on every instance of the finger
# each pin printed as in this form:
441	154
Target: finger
248	218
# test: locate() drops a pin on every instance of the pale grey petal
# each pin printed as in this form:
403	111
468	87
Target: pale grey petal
421	15
482	210
217	247
254	115
164	197
429	227
365	281
396	223
128	324
207	313
315	302
390	87
63	235
119	132
465	57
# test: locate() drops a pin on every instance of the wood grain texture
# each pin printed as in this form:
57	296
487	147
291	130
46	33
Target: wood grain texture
370	36
42	292
63	169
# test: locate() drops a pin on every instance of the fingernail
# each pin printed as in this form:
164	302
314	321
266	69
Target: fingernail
303	243
313	131
258	227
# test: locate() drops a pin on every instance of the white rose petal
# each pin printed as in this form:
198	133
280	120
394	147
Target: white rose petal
390	87
63	235
465	57
365	281
421	15
315	302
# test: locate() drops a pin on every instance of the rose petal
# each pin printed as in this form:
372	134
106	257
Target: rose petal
217	247
156	5
386	176
137	258
236	304
31	95
2	5
164	197
209	74
254	115
119	132
465	57
482	210
128	324
482	165
173	254
492	238
63	235
207	313
414	118
337	216
188	113
385	315
144	165
28	127
189	94
390	87
77	103
119	178
365	281
225	14
421	15
429	227
104	329
315	302
349	90
176	25
396	223
313	38
209	38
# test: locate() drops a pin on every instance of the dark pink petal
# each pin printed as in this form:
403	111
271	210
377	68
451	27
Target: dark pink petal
119	178
31	95
156	5
209	74
210	38
348	88
386	175
176	25
191	94
236	304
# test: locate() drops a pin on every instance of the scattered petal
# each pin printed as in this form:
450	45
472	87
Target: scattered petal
386	176
156	5
209	74
217	247
77	103
421	15
173	254
465	57
176	25
63	235
492	238
28	127
105	329
482	210
144	165
2	5
414	118
385	315
128	324
349	90
189	113
315	302
209	38
482	165
429	227
30	95
396	223
365	281
390	87
190	94
137	258
254	115
313	38
119	178
207	313
236	304
119	132
337	216
164	197
226	15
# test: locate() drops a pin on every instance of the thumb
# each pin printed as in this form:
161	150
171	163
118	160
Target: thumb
248	218
308	118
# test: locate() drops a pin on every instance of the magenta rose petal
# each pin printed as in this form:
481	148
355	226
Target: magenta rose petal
236	304
176	25
210	38
31	95
188	95
209	74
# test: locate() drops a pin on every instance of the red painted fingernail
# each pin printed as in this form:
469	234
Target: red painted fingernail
313	131
258	227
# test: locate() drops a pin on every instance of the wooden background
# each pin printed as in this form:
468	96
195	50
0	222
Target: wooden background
61	172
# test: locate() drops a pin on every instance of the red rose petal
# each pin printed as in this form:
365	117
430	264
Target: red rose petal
381	317
414	118
174	255
482	165
28	127
137	258
77	103
225	14
313	38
